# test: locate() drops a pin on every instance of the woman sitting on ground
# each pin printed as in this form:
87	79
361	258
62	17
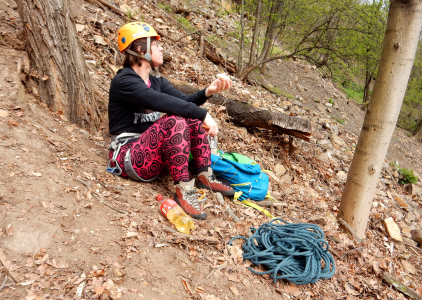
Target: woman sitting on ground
136	100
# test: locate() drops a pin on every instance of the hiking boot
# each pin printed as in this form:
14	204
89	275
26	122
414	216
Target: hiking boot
207	180
186	197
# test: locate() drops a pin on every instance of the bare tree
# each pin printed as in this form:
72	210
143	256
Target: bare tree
57	57
399	48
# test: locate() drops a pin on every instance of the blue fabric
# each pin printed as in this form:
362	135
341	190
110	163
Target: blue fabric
255	182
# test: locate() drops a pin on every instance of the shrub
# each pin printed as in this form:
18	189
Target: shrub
407	176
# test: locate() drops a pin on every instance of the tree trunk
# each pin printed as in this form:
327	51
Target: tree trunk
56	55
399	48
367	87
255	34
242	38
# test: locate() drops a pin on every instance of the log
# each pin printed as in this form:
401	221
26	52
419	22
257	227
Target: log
400	286
215	58
244	114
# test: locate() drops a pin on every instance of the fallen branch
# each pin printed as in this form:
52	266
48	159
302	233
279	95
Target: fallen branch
111	7
175	235
190	33
220	200
349	230
400	286
96	196
4	283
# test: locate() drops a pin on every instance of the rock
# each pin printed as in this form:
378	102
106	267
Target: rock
393	230
296	79
410	217
126	8
280	169
4	113
335	105
408	266
328	104
380	193
286	178
401	202
287	104
417	236
338	140
244	130
80	27
375	204
100	40
325	144
406	231
92	64
300	88
341	175
321	108
413	189
29	236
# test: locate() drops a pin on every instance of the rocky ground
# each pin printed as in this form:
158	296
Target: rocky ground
70	230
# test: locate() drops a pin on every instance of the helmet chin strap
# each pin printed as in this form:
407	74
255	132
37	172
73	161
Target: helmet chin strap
147	55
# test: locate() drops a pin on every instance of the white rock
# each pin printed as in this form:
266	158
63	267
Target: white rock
280	169
393	229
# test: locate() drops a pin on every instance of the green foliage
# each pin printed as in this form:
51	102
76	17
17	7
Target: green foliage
407	176
339	120
411	111
130	14
165	7
354	91
182	20
330	101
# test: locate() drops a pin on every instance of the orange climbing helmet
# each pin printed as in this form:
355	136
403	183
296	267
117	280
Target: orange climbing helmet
133	31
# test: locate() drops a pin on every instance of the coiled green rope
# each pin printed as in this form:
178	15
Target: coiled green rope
292	251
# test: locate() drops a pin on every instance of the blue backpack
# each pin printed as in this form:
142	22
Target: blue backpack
246	178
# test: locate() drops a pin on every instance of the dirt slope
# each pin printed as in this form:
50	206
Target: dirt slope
70	230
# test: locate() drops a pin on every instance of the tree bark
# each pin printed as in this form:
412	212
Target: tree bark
399	48
57	57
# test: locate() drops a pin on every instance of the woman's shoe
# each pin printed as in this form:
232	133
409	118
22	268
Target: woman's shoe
207	180
186	197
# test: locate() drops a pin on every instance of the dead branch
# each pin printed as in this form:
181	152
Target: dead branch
215	58
400	286
4	283
111	7
220	200
96	196
349	229
190	33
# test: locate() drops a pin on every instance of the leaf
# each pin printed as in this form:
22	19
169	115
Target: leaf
99	290
350	289
186	286
234	290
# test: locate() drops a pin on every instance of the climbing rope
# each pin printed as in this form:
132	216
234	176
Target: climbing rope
294	252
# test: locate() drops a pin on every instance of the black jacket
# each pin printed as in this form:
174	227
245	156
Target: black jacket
133	107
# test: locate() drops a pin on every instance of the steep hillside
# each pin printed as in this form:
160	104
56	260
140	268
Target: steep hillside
70	230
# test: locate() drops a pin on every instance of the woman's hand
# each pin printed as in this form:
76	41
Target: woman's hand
211	128
218	86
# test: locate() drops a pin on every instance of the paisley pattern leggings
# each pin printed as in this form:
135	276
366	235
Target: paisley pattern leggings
168	142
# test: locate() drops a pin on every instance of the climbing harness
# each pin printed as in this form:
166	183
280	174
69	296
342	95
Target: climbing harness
116	144
292	251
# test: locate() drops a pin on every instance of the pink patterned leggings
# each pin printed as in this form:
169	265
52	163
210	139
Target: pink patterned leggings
168	142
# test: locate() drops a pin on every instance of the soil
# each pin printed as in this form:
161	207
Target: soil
70	230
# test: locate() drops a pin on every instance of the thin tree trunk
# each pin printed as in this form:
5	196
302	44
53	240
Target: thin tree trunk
57	57
242	32
255	34
399	48
366	89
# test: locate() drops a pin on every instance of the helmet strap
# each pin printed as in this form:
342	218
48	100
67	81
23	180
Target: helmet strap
147	55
